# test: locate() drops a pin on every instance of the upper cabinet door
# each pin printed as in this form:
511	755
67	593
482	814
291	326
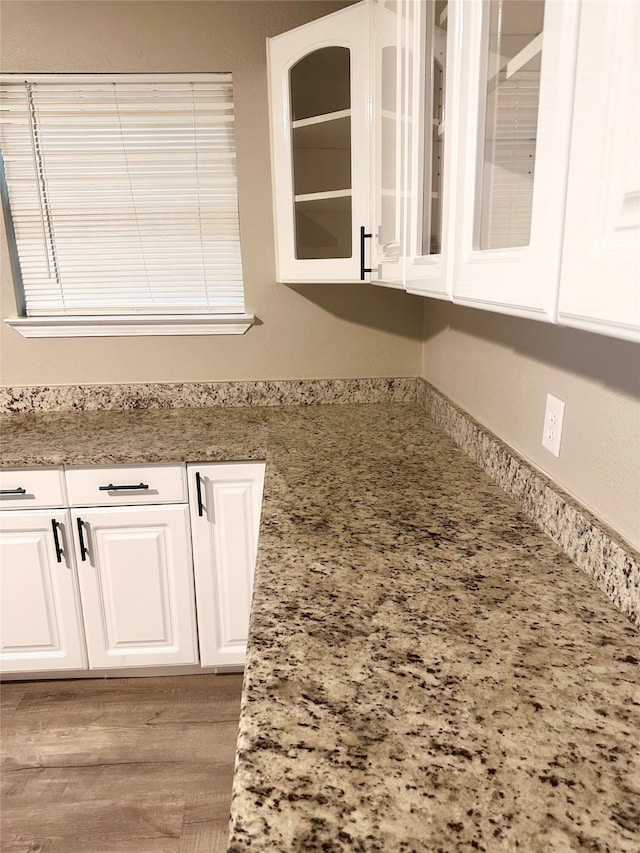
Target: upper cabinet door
388	135
434	31
600	282
518	78
318	99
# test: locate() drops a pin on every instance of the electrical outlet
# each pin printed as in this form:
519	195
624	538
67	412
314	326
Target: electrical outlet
553	420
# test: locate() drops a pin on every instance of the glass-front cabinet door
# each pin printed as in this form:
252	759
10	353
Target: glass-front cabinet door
434	30
515	107
388	133
318	84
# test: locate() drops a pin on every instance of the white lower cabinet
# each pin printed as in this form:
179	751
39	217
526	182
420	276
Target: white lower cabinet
116	569
225	502
136	584
40	617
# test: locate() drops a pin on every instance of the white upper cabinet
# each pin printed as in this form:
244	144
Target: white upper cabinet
516	101
499	140
600	280
432	73
318	98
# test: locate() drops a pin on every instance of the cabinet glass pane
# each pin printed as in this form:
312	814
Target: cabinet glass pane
513	60
322	156
320	83
434	129
323	228
320	86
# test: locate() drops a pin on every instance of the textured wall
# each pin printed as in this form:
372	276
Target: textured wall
319	331
500	370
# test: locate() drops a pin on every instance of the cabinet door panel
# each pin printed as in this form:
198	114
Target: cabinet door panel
40	625
388	56
137	586
599	288
225	541
517	101
434	33
318	110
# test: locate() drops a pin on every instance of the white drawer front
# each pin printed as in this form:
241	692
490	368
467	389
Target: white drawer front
126	485
32	488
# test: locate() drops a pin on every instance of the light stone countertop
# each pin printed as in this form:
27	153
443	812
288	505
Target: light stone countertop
426	670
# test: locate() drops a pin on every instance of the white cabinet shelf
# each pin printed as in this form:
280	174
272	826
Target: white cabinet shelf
325	118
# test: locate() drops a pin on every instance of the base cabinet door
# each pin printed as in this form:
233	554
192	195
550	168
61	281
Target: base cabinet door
225	514
40	616
136	583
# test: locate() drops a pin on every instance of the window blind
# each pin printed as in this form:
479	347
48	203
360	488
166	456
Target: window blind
123	193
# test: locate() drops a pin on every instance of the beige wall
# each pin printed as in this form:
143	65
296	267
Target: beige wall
330	331
500	369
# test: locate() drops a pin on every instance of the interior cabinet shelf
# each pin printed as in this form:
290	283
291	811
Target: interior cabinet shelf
321	119
319	196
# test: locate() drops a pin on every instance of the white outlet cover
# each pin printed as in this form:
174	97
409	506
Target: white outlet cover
553	422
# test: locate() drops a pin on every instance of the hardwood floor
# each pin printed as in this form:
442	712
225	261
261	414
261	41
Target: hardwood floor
124	764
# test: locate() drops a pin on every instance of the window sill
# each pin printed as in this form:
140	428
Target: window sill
121	326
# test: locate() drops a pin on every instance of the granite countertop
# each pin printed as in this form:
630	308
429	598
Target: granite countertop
426	670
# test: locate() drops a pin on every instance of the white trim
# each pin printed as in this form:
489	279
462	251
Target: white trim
114	326
223	77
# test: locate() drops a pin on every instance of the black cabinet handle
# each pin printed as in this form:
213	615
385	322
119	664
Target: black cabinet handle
112	488
363	236
18	491
83	549
55	525
199	494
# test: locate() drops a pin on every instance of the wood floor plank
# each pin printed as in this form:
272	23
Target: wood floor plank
118	765
98	745
79	784
140	826
205	825
11	694
132	700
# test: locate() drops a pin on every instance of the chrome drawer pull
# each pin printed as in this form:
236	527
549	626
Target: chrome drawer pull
18	491
112	488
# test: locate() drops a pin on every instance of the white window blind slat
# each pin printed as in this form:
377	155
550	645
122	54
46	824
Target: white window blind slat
123	194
